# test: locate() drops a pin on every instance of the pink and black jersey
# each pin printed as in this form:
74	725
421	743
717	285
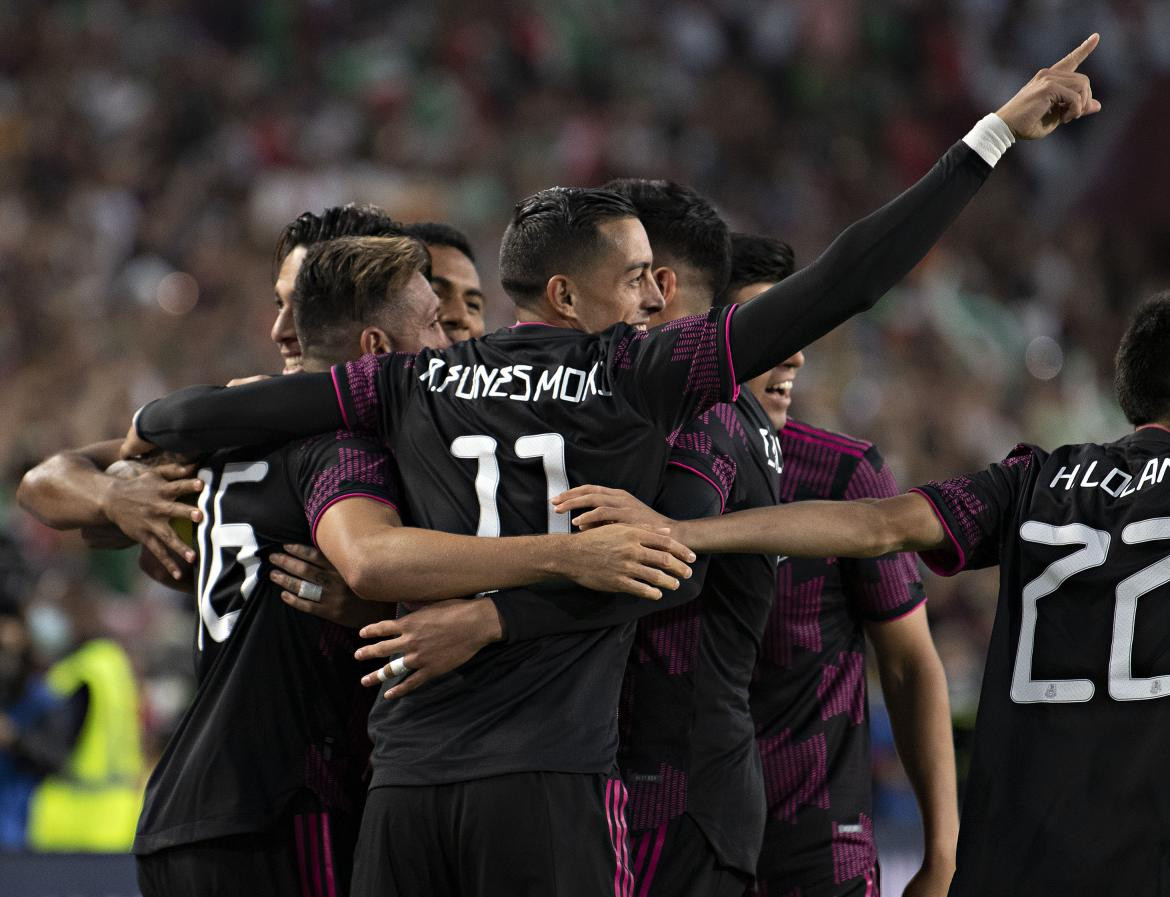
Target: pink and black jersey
1065	793
687	739
279	712
808	694
486	432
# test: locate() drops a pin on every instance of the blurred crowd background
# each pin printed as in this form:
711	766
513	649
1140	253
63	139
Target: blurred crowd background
151	150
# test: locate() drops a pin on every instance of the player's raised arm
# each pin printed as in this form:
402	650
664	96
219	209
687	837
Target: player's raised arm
873	254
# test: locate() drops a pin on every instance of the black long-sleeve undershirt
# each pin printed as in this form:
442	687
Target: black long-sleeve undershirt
860	266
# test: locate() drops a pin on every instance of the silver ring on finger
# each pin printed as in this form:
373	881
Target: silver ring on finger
398	667
310	591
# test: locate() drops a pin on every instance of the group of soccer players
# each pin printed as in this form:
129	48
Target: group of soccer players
558	733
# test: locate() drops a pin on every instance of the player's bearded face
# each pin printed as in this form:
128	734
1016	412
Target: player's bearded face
619	286
284	331
418	326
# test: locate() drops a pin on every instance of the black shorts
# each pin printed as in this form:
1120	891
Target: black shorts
529	834
304	855
811	867
677	860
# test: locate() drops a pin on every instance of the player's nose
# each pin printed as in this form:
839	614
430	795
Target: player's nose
283	328
455	319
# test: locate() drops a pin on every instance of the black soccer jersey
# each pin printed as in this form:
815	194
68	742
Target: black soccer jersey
279	709
808	693
1065	793
687	738
488	431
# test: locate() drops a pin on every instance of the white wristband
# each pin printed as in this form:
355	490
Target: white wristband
990	138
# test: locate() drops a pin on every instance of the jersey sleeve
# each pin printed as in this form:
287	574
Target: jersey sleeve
678	370
373	391
206	418
534	613
974	510
884	588
697	451
343	465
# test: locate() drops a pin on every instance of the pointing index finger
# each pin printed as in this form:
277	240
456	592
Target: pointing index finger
1079	55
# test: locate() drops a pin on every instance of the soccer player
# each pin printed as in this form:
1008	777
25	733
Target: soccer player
808	694
687	750
488	430
1065	793
808	691
454	279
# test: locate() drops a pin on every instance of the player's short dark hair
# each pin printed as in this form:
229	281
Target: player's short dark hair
682	226
555	232
1142	365
756	259
336	221
438	233
352	280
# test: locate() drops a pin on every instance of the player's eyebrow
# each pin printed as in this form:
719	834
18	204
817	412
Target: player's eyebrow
637	265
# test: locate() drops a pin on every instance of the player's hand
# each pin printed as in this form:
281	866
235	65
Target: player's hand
932	880
637	560
604	505
149	564
304	570
432	641
244	381
1053	97
134	446
141	500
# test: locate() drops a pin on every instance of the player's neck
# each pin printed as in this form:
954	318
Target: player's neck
1156	425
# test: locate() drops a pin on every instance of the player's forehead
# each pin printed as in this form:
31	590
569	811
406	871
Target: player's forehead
286	277
451	265
626	244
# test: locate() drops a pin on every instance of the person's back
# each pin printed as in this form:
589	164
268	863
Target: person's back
490	430
1072	732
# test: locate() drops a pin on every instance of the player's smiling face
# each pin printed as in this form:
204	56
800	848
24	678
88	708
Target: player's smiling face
456	282
284	330
773	389
619	285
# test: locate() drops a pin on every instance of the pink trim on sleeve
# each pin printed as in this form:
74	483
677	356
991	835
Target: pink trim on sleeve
904	613
329	504
928	557
340	403
727	346
699	473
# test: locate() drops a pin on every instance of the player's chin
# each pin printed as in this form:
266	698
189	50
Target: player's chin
293	366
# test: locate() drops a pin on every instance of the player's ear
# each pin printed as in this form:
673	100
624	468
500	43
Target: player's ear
374	341
667	282
561	297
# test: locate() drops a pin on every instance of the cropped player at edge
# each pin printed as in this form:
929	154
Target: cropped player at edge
487	430
1065	794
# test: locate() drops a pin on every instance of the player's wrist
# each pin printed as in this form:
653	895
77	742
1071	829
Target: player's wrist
991	137
489	625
